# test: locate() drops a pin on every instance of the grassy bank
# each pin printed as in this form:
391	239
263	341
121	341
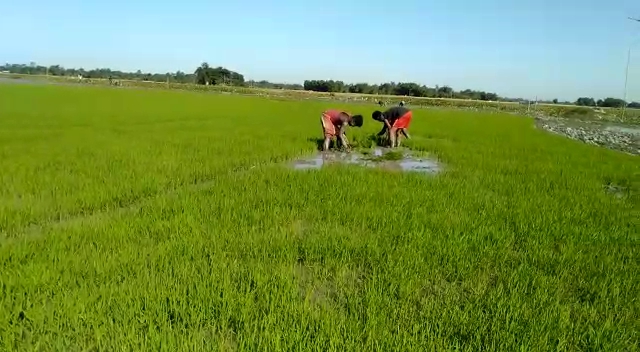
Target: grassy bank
159	219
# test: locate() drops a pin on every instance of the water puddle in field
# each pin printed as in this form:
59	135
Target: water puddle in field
381	158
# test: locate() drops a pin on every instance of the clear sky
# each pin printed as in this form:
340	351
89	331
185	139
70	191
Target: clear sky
518	48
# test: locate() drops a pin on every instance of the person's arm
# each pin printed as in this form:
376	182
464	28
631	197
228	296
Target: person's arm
342	135
405	133
383	131
388	116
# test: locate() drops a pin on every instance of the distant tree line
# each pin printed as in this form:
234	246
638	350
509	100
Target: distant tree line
216	76
606	103
207	75
57	70
392	88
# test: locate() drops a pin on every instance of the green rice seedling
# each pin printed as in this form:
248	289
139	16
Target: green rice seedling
167	220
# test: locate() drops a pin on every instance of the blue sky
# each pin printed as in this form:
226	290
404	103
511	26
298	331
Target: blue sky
518	48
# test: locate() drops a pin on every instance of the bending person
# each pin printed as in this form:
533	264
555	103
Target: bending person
334	124
395	121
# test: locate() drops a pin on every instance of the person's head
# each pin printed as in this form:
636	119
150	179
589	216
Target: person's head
356	120
402	103
378	116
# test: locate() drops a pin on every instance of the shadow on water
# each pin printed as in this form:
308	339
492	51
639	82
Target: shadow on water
380	158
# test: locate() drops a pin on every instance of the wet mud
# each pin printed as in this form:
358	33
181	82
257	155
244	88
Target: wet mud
379	158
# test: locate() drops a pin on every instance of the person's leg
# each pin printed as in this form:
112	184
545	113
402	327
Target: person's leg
398	137
327	131
327	143
401	132
393	132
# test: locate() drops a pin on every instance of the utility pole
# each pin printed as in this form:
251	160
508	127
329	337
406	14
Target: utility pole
626	74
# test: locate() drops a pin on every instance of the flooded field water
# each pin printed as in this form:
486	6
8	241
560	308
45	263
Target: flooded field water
381	158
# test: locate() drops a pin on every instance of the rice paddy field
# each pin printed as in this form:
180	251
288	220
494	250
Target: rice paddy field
171	221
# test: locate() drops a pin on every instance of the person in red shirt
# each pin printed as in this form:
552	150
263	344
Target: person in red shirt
395	121
334	124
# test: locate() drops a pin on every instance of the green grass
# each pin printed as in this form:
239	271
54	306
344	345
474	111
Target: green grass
163	220
632	116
